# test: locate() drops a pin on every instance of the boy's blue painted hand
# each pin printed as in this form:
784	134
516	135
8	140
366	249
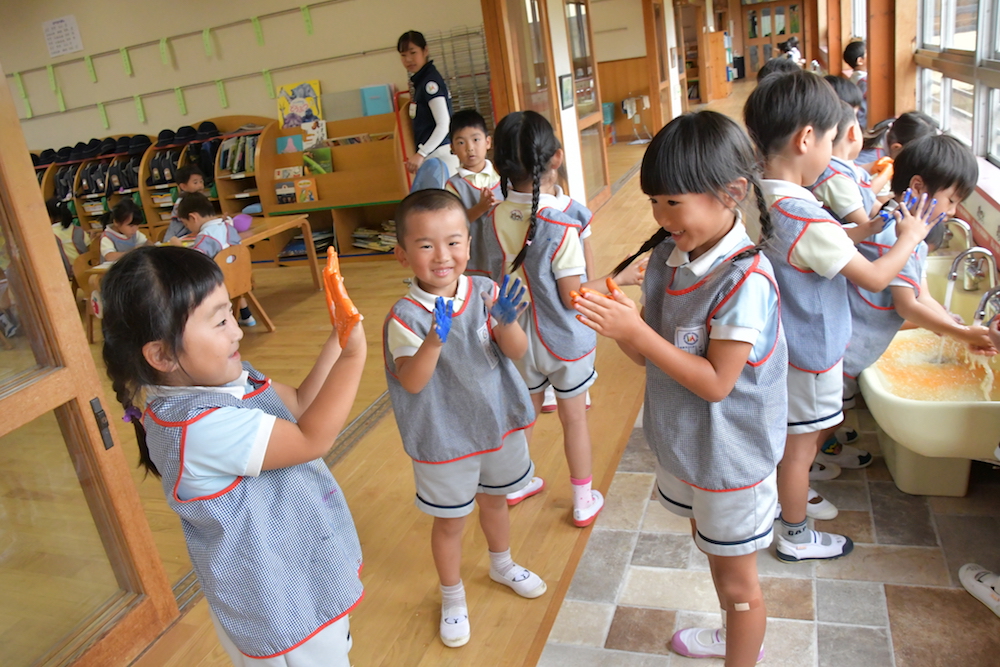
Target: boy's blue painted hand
442	318
508	304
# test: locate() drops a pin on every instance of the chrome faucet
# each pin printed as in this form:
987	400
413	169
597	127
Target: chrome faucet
975	269
949	234
990	300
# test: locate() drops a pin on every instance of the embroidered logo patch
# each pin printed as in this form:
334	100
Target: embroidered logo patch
691	340
516	215
431	87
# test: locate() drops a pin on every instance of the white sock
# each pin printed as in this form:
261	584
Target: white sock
501	562
582	497
452	596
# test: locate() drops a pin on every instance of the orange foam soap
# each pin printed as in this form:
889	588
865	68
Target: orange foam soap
343	313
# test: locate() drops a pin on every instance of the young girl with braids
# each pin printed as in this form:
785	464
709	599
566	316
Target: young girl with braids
268	530
710	337
536	241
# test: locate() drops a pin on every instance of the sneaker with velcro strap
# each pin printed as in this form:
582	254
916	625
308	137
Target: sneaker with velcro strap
820	546
703	643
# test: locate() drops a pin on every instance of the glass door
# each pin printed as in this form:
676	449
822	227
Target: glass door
79	572
529	55
768	24
588	103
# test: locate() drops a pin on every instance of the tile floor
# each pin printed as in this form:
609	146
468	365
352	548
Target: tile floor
894	602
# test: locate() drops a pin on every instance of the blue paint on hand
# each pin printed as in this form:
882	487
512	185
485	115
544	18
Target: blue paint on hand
442	317
505	310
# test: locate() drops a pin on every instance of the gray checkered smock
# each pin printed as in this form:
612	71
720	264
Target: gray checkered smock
468	406
814	311
276	555
735	442
874	319
480	261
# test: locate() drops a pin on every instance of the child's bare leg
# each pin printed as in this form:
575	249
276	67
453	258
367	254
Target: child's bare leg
739	591
243	303
494	519
576	435
793	474
536	402
446	546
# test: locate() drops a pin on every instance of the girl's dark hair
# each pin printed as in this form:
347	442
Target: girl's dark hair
411	37
876	138
910	126
780	106
777	66
699	153
941	161
59	212
848	117
846	89
126	208
523	147
148	295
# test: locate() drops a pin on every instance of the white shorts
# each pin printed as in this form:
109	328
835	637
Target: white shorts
851	391
448	490
815	400
730	523
327	648
540	368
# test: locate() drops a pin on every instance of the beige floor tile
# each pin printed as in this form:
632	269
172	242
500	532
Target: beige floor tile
669	589
626	501
788	598
660	520
582	623
790	643
897	565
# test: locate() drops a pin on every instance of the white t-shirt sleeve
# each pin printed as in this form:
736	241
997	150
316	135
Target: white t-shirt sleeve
402	341
824	248
227	443
841	194
750	312
439	109
569	260
107	247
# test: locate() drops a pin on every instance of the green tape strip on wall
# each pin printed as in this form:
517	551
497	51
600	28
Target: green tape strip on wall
164	51
104	115
206	41
140	110
181	104
268	82
126	61
89	62
20	86
221	88
257	29
28	113
52	77
307	17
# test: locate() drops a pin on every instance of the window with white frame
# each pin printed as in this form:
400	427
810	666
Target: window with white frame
959	70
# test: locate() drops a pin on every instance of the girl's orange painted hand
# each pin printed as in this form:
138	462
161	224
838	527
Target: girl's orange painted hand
634	273
614	316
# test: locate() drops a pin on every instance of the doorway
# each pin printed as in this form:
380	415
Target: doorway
766	25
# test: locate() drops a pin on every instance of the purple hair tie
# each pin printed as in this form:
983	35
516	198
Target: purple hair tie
132	413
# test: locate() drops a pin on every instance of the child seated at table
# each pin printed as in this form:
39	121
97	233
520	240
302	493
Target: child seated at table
210	234
189	180
121	230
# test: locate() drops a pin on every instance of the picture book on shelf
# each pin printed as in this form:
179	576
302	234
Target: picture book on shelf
299	103
284	173
314	134
318	160
285	190
290	144
347	141
305	190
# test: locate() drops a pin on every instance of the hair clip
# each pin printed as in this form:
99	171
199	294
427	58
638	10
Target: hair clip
132	413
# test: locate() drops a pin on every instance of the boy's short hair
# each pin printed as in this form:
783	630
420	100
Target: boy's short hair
421	201
185	173
777	66
780	106
935	237
910	126
846	89
467	118
195	202
940	161
853	51
848	117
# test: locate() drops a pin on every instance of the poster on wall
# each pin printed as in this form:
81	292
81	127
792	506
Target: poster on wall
62	36
298	103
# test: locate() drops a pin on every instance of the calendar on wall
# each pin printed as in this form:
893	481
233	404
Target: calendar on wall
62	36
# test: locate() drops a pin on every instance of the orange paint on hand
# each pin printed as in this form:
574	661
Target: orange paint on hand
612	287
343	313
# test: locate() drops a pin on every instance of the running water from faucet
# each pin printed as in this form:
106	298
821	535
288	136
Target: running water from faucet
948	294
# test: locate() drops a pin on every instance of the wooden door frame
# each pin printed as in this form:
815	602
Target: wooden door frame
653	60
65	383
807	30
595	118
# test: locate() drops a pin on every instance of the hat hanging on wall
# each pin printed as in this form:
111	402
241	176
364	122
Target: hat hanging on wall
122	145
207	130
48	156
185	134
107	147
138	144
164	138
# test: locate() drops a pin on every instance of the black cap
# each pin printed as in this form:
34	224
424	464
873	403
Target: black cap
164	138
76	153
48	156
34	160
64	154
93	148
138	144
185	134
107	147
121	146
207	130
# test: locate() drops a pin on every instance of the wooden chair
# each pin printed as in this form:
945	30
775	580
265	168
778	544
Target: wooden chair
81	264
235	264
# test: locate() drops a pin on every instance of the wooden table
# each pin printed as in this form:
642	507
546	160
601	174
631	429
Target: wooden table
263	228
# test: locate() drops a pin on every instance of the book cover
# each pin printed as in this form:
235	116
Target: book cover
314	134
319	160
285	173
305	190
299	103
290	144
285	190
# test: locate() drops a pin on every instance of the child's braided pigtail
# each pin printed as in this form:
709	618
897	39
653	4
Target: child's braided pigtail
656	239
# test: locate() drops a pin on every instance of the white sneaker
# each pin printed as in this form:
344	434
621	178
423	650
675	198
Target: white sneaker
821	546
818	507
702	643
251	322
549	400
833	452
585	516
977	580
534	486
823	471
455	629
525	583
